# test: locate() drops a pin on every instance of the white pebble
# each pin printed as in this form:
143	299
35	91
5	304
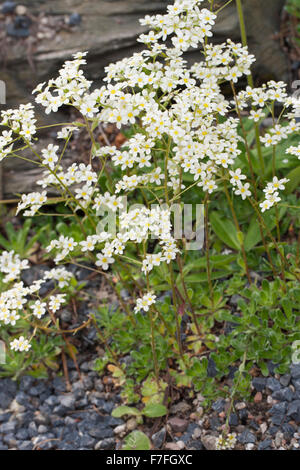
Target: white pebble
249	446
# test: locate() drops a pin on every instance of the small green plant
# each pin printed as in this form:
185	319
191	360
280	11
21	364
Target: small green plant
153	410
19	239
136	440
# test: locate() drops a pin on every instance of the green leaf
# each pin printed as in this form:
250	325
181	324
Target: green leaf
264	369
216	261
136	440
202	277
294	177
5	243
125	410
154	410
225	230
253	236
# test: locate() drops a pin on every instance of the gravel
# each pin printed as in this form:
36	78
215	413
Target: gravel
41	414
45	414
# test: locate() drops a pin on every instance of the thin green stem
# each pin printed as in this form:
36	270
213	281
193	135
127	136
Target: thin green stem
224	6
152	326
274	174
179	262
238	229
207	243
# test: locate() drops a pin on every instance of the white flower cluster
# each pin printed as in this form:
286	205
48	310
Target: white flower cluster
136	226
66	132
50	156
5	144
169	252
61	275
64	245
11	265
226	443
20	344
32	200
278	133
21	122
145	302
56	301
68	89
294	151
75	174
139	152
271	193
14	300
187	25
128	183
109	201
189	102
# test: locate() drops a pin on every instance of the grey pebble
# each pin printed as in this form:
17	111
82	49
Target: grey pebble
273	384
158	438
259	383
285	394
247	437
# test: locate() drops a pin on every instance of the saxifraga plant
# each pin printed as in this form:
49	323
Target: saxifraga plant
187	139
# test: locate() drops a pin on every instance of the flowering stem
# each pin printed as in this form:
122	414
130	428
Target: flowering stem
187	295
238	229
172	281
243	31
125	307
94	146
235	387
156	367
222	7
274	174
262	222
171	271
65	188
151	315
208	269
252	177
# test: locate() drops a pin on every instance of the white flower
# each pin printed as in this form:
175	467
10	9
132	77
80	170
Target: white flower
11	265
145	302
49	155
20	344
294	151
243	190
256	115
226	443
104	261
265	205
39	309
56	301
236	177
